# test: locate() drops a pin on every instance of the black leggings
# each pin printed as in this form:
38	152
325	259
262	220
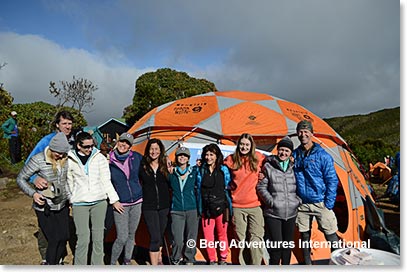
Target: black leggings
156	221
280	230
55	226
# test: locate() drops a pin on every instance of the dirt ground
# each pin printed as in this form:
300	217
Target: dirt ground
18	224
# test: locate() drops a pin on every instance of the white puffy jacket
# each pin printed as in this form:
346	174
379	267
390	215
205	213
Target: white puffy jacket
90	182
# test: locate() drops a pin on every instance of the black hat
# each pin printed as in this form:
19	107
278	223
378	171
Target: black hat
304	124
286	142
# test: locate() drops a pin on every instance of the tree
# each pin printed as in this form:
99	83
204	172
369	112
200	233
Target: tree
79	93
164	85
5	97
34	121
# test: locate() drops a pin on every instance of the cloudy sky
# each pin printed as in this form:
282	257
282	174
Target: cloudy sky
333	57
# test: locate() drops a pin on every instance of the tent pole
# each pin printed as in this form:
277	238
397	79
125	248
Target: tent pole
180	138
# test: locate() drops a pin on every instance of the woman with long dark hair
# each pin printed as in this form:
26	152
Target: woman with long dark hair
215	205
156	197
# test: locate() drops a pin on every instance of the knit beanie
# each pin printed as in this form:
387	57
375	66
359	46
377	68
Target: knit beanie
286	142
59	143
304	124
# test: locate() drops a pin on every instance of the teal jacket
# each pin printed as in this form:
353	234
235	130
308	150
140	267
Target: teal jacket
8	127
185	199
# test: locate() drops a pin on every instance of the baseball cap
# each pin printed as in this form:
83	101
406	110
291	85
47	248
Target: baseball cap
127	137
183	150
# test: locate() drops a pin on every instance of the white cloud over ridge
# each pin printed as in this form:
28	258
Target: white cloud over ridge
32	62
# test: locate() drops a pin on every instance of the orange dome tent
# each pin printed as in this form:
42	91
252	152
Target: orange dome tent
221	117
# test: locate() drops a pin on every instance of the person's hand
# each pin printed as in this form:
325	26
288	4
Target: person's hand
261	175
39	199
118	207
40	183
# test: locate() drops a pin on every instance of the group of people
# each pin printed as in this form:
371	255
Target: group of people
262	197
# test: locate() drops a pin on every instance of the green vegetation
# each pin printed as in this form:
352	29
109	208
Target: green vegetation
164	85
34	121
372	136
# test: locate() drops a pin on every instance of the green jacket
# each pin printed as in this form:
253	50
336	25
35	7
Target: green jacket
8	128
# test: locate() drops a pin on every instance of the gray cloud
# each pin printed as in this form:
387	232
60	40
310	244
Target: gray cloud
33	62
333	57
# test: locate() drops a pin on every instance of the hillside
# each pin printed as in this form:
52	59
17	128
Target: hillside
371	136
381	125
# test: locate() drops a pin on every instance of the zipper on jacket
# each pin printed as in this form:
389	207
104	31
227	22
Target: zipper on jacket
156	189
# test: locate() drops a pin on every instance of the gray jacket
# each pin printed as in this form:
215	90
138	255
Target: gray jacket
277	190
40	164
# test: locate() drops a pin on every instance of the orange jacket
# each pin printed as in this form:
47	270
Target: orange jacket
244	181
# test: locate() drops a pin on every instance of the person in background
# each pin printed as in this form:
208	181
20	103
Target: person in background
317	183
245	164
90	187
10	129
184	215
62	122
277	191
215	205
156	196
124	169
51	204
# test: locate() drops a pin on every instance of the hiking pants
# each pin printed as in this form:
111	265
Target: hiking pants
184	227
55	226
209	225
249	220
81	215
126	227
280	230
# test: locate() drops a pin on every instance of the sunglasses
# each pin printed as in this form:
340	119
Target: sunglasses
87	146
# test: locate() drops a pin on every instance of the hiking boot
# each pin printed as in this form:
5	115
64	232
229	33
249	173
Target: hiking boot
222	263
212	263
176	262
43	262
126	262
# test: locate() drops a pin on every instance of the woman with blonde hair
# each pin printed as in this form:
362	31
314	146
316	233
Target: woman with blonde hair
50	204
245	165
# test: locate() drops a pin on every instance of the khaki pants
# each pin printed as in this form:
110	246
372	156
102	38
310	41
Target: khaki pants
326	218
251	220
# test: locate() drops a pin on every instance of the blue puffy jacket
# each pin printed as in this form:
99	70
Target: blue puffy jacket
316	176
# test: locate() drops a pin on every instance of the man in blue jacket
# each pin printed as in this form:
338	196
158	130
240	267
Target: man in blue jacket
317	183
63	123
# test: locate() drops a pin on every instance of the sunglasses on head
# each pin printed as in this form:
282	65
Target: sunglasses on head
87	146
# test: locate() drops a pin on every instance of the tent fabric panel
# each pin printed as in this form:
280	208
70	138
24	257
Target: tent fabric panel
144	122
270	104
224	103
187	112
298	113
212	124
249	117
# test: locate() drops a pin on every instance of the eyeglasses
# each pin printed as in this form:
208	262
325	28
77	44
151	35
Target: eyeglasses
87	146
